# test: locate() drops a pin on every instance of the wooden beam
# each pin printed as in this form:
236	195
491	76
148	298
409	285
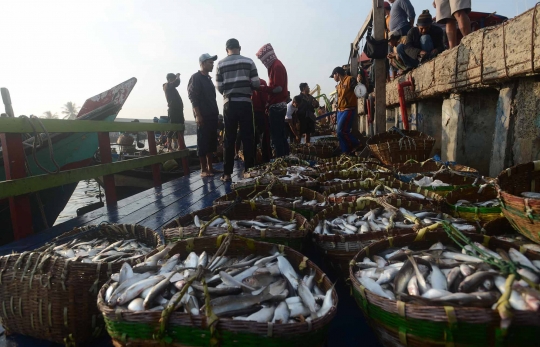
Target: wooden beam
40	182
380	69
360	35
21	125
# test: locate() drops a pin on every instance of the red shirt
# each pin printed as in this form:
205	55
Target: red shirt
277	75
259	98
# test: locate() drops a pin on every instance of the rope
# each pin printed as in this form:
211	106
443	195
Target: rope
38	139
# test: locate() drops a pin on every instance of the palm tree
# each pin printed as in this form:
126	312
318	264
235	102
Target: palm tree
49	115
70	110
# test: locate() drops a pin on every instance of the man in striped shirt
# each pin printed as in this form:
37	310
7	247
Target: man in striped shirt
236	77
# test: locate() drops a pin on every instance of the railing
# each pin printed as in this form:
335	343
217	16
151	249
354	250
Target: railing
17	186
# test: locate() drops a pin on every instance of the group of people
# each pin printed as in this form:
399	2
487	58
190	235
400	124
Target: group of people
410	45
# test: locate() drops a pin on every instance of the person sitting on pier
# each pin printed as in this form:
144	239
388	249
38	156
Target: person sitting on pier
176	106
424	42
450	11
396	64
202	94
347	104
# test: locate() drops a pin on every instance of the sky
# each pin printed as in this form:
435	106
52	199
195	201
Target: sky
58	51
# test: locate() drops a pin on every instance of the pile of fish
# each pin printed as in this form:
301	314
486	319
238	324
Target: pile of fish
100	250
336	181
260	223
487	203
362	192
443	275
379	220
427	181
530	195
295	201
252	288
289	178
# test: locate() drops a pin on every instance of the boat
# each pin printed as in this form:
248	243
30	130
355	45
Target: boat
69	151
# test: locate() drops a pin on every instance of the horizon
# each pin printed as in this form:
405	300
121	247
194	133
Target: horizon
62	51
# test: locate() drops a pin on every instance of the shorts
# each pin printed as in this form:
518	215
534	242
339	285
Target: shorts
175	117
206	138
307	126
447	8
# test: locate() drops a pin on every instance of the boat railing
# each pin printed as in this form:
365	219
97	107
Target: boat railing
17	185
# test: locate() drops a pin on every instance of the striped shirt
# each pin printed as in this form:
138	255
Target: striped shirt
236	76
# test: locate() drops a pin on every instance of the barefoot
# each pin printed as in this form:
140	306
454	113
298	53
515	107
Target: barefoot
206	174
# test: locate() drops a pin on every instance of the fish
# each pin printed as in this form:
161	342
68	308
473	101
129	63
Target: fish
259	281
287	270
438	279
307	298
281	313
471	283
264	315
137	288
530	195
519	258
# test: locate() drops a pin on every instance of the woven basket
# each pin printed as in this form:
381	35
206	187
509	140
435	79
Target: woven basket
400	324
54	299
392	148
523	214
472	214
370	185
409	170
342	159
177	229
138	328
279	190
339	249
454	180
268	179
318	150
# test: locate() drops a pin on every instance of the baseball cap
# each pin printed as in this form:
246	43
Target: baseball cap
232	43
339	70
206	57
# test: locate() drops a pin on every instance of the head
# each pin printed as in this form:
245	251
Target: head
297	101
304	88
338	73
232	46
393	38
171	77
387	8
267	55
424	22
206	61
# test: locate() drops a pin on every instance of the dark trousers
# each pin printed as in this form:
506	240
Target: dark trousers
235	114
262	135
277	130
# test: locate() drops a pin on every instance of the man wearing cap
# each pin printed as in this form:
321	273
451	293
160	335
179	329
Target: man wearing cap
347	104
424	42
450	11
401	16
396	64
176	106
236	78
277	100
202	93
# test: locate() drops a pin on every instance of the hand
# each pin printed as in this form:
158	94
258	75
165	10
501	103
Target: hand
199	121
422	54
391	56
434	51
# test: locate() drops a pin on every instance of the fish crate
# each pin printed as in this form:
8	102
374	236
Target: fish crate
181	227
53	298
398	146
281	191
523	213
182	329
385	188
412	168
339	249
454	180
478	214
406	323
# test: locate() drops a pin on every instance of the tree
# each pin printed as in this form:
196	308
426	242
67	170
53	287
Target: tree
70	110
49	115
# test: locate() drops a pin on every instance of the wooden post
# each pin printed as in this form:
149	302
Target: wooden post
106	157
19	206
182	145
156	171
380	69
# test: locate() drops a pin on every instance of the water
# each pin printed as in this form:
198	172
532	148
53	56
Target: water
87	192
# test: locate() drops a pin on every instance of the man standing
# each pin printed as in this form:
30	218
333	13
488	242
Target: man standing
290	118
306	112
424	42
448	11
262	133
401	16
202	93
236	77
176	106
277	100
347	104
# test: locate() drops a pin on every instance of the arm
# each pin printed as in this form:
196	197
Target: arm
276	80
293	128
254	77
409	9
219	80
409	46
194	94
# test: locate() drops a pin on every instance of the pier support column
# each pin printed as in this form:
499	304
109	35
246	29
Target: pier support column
501	157
428	118
452	127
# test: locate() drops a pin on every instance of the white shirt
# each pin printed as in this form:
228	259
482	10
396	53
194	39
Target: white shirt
290	111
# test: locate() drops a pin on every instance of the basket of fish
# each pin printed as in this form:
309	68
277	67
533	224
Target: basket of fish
262	170
319	150
412	168
350	192
300	199
397	146
342	230
290	179
448	288
226	291
445	182
520	200
501	229
341	160
477	204
268	223
50	293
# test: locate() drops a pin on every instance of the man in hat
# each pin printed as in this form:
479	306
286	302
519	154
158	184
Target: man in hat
450	11
424	42
202	94
401	16
277	100
347	104
176	106
236	78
